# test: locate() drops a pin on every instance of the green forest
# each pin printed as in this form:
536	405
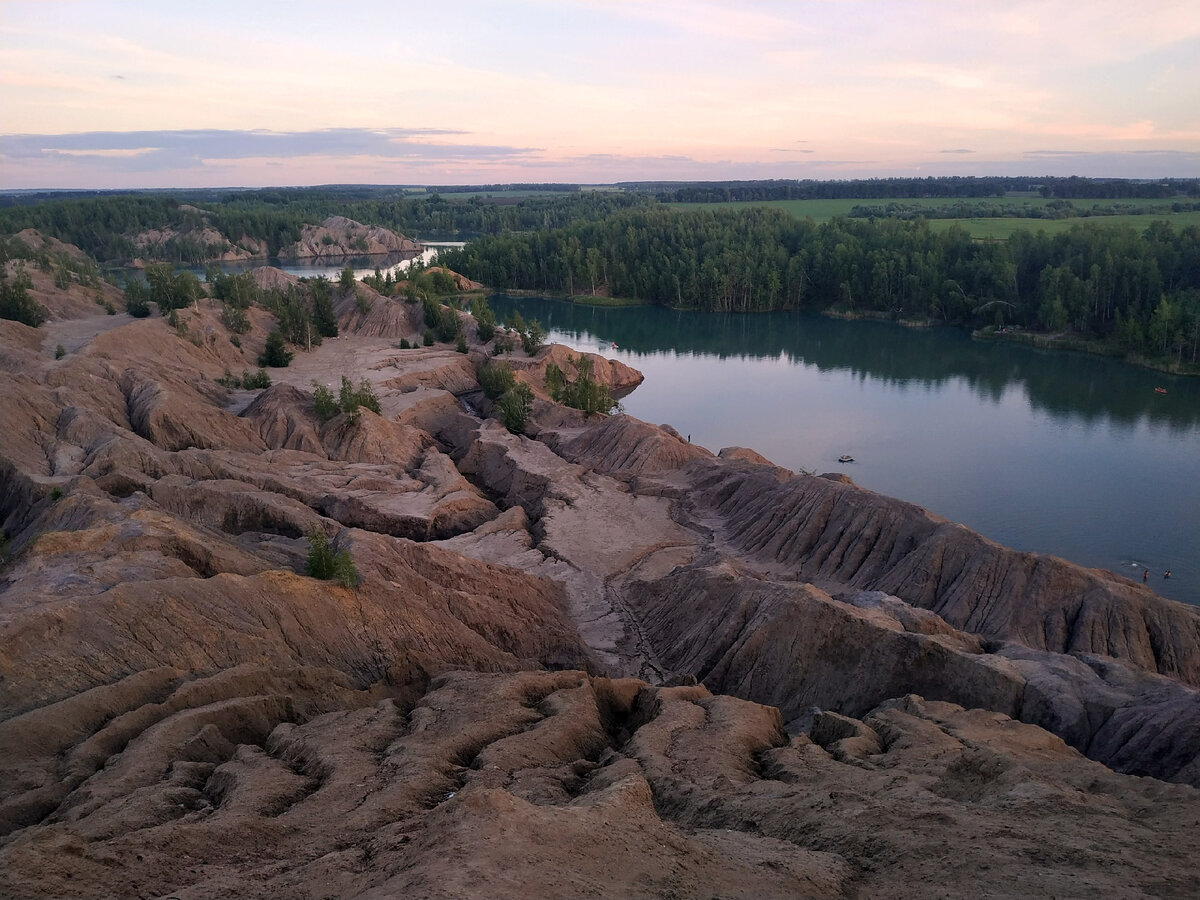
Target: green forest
105	227
1133	293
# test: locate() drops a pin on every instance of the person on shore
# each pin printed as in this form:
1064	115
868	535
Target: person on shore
1145	575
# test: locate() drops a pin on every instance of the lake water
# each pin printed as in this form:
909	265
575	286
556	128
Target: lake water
1056	452
331	268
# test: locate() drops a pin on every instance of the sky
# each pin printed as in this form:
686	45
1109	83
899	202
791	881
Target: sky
130	94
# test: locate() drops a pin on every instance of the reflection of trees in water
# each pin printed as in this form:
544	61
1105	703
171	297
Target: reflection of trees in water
1063	384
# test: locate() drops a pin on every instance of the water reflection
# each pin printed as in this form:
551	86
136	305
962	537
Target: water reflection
1047	451
1067	385
331	266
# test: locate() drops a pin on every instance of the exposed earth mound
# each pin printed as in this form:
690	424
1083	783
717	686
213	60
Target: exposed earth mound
543	675
339	236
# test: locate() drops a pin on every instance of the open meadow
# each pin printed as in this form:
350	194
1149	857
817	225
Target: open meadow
997	228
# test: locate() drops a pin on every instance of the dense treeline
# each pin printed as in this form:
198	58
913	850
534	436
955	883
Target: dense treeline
1137	292
912	188
105	227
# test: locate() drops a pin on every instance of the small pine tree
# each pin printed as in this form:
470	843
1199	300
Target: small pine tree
328	564
496	378
533	337
275	354
514	407
324	403
320	555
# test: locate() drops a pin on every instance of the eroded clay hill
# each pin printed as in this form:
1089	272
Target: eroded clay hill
489	712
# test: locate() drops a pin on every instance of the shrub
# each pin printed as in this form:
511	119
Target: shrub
351	399
328	564
442	320
16	304
137	298
256	380
234	319
60	351
533	337
496	378
345	572
461	344
514	407
324	403
531	333
428	339
485	319
582	393
275	354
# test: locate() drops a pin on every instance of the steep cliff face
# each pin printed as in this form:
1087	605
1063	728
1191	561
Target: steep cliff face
815	528
795	647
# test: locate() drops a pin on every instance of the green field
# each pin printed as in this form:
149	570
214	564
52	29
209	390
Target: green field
994	229
1001	229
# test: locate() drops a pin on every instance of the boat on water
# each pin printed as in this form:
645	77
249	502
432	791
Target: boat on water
845	458
1159	390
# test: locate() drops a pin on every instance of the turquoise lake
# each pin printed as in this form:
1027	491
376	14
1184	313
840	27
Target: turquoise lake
1055	452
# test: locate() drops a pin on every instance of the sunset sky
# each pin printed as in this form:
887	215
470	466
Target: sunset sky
165	94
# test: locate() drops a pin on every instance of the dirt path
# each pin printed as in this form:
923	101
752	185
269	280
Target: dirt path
76	333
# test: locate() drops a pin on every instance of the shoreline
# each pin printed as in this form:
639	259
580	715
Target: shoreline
1040	340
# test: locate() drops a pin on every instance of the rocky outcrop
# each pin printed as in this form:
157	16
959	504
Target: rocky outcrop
461	282
220	247
624	444
364	311
76	300
530	785
35	240
795	647
815	528
270	278
619	378
339	236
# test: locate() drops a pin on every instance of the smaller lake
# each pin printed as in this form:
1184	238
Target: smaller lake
1053	452
331	268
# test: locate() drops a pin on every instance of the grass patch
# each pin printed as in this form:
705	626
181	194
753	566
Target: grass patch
589	300
577	299
1002	229
992	229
